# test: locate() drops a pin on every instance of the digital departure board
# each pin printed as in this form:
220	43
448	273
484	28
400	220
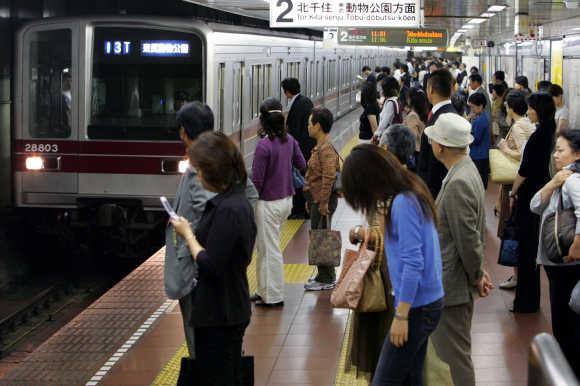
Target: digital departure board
399	37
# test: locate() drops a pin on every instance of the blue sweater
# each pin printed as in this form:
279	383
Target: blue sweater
480	129
413	253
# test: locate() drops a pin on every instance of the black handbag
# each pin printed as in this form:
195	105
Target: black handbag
247	370
187	373
558	232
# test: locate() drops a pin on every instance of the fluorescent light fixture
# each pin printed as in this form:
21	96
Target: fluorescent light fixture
496	8
462	30
477	20
487	14
468	26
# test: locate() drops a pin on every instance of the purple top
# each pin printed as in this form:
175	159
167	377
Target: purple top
272	167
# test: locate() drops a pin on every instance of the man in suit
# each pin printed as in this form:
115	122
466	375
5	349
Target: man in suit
439	88
475	85
461	214
433	66
300	108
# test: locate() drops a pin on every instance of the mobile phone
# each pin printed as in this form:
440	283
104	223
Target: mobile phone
168	208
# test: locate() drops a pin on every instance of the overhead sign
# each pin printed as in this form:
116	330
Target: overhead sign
399	37
340	13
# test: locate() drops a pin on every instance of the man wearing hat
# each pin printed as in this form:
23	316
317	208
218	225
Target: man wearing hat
461	215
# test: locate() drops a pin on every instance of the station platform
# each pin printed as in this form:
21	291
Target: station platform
133	335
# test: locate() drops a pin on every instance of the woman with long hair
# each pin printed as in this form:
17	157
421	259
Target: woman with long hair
371	178
534	173
221	245
277	153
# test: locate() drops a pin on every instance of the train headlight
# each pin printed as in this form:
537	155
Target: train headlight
34	163
183	166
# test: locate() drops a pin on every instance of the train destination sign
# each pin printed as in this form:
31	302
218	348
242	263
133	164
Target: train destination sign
399	37
341	13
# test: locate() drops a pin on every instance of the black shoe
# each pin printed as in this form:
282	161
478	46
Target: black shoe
261	303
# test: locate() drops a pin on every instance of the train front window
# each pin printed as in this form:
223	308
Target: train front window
140	78
50	80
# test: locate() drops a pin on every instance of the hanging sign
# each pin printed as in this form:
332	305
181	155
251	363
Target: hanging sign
400	37
340	13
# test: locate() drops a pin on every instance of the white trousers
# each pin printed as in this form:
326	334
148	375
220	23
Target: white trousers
270	215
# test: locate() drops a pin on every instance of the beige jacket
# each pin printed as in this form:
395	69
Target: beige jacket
519	134
461	227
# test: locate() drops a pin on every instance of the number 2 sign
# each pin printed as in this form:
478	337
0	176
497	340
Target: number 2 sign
281	13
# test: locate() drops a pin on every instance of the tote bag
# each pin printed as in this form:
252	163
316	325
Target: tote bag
504	169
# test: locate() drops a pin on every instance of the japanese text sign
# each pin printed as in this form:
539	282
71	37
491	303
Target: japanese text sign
340	13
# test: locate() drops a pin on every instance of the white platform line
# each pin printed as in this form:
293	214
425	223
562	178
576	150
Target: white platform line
126	346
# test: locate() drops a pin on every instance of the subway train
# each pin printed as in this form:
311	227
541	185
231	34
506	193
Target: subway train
95	129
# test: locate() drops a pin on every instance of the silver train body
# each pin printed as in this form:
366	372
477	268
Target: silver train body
96	99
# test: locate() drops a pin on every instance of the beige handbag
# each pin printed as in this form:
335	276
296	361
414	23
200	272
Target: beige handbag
362	288
504	169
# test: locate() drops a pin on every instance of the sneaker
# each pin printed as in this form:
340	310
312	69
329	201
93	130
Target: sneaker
510	283
311	280
317	286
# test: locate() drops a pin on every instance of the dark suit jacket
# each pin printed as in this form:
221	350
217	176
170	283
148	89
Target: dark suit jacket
227	231
297	124
429	168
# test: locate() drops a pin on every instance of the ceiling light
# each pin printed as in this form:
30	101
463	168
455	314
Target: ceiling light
462	30
468	26
477	20
487	14
496	8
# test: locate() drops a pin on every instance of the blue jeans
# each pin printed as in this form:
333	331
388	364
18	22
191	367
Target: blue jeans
404	365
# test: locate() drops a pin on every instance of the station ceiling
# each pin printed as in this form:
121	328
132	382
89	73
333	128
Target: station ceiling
453	14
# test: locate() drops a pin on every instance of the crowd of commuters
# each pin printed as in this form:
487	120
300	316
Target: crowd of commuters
421	171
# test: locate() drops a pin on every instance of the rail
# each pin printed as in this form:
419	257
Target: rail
547	365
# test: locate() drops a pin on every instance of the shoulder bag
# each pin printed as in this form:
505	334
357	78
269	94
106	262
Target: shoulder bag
361	287
503	168
558	232
324	247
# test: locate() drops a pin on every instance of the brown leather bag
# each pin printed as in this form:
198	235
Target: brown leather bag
362	288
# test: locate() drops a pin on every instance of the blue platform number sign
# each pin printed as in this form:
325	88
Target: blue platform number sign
117	47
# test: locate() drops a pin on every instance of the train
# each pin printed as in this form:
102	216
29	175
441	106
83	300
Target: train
95	136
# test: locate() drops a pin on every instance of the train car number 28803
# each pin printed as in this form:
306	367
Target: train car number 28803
41	148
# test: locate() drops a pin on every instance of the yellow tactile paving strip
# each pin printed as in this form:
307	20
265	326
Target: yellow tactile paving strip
293	274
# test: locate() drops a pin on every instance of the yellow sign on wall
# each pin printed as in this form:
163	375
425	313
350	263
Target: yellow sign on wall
557	59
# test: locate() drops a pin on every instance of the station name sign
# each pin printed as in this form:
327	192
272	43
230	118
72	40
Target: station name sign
340	13
399	37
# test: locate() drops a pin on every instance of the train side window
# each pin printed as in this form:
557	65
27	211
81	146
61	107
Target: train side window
50	89
221	96
266	84
256	90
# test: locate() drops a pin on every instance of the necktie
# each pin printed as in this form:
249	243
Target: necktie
429	116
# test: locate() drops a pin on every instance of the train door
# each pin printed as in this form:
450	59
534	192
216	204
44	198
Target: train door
533	68
572	89
47	115
237	104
